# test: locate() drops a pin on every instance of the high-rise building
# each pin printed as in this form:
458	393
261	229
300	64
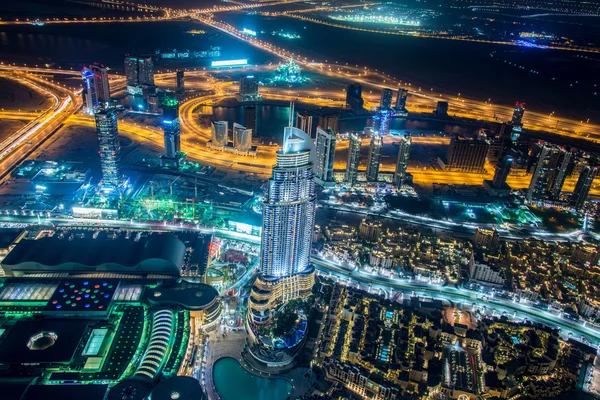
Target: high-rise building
329	121
249	88
220	133
517	118
304	122
402	161
325	154
102	84
289	208
107	130
565	168
146	71
250	118
441	109
401	99
354	100
171	127
131	74
502	171
583	186
466	155
242	138
139	71
385	103
89	93
374	157
552	166
353	159
180	90
381	123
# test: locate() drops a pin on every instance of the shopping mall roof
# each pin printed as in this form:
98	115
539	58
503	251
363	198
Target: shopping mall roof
155	254
191	296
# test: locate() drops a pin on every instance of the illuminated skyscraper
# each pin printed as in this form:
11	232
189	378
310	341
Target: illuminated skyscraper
401	99
502	171
381	123
565	168
289	208
249	88
131	74
329	121
374	157
171	127
242	138
402	161
552	166
385	102
517	118
102	85
353	159
107	130
89	93
139	71
220	133
583	186
180	91
354	100
325	155
304	122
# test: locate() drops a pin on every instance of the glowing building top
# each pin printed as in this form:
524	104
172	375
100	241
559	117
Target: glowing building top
289	72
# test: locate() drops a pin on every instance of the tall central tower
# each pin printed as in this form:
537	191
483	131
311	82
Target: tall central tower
289	208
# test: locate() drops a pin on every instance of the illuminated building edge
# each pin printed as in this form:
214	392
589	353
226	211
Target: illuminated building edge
267	293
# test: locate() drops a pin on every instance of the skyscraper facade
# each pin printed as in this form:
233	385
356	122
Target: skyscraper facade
171	127
180	90
502	171
249	88
102	84
353	159
107	130
289	208
89	93
242	138
402	161
329	121
220	133
374	157
466	155
385	103
441	109
517	117
401	99
551	168
325	154
139	71
304	122
583	186
354	100
381	123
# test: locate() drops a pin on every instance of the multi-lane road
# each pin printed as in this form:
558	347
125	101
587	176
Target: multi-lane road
384	285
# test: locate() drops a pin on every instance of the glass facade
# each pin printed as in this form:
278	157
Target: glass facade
108	140
289	208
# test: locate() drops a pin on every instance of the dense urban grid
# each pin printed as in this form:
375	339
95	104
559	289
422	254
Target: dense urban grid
246	217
